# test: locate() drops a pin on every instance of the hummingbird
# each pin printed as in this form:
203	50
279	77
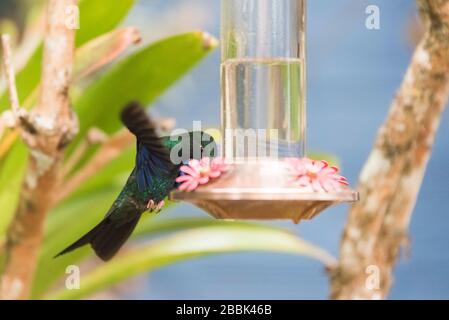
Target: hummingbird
149	183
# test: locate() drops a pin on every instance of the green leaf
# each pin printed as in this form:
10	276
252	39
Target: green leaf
143	76
96	17
12	170
188	245
100	16
157	226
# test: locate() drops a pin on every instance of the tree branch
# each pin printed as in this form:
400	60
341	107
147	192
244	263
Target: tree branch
53	127
392	176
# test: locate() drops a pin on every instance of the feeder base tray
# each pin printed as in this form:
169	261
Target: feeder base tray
261	191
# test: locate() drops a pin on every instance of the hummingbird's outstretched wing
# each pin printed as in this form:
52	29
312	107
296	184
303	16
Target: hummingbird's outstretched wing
153	158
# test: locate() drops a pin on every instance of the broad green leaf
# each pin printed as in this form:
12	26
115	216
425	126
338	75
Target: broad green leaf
12	170
156	226
143	76
100	16
96	17
191	244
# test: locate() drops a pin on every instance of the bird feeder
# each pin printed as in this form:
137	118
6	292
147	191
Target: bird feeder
263	114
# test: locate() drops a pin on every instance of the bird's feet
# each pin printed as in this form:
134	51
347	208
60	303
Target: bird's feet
155	207
159	206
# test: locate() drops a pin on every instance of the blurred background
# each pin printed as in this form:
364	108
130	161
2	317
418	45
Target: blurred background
353	73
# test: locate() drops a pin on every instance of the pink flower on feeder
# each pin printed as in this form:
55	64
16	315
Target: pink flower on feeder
316	175
200	172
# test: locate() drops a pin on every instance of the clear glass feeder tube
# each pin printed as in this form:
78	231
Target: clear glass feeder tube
263	79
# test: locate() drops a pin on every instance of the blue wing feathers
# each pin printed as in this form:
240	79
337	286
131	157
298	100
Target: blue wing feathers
152	158
149	166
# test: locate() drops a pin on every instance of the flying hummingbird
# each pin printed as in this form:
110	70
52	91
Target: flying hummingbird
151	180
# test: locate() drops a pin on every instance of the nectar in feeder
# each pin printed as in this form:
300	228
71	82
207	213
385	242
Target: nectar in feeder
263	78
263	111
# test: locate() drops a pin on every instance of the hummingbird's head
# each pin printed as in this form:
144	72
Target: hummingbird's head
202	145
191	145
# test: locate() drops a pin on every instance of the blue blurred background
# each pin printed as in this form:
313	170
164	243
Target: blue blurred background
353	74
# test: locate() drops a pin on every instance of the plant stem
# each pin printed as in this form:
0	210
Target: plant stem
10	75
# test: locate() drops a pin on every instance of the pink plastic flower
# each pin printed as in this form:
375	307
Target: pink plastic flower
316	175
200	172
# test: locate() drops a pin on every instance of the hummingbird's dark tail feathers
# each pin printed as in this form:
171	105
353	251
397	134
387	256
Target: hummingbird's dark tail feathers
106	238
